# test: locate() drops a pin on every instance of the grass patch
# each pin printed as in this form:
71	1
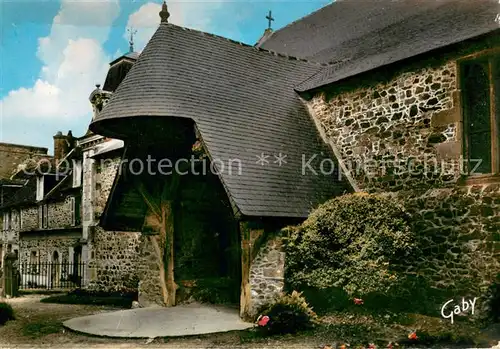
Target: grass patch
359	328
88	300
39	329
84	297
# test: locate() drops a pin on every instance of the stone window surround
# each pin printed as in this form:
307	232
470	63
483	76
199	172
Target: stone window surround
493	177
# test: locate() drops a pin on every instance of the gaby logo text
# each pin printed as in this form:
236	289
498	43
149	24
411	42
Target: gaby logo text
448	311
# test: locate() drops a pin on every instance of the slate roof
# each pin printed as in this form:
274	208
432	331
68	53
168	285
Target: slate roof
243	103
118	70
61	189
26	195
355	36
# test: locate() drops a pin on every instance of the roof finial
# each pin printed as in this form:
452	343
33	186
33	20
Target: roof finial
132	31
270	18
164	12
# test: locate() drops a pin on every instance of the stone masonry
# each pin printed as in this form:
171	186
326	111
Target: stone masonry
404	138
267	274
58	213
388	133
113	256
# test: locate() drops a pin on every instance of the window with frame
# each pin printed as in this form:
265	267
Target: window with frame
480	84
75	210
7	220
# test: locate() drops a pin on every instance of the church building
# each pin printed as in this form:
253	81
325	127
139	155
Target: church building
227	143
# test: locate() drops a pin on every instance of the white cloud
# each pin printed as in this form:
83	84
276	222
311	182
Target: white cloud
200	15
73	62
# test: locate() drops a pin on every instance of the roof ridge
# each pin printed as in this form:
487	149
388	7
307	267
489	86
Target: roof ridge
274	53
304	17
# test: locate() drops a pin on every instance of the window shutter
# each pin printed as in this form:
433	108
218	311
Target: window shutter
72	209
40	216
78	205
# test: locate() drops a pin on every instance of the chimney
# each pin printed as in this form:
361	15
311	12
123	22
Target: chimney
62	145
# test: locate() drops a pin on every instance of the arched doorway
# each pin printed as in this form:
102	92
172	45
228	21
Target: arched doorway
56	270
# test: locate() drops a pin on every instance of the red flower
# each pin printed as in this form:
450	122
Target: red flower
358	301
413	335
263	320
372	346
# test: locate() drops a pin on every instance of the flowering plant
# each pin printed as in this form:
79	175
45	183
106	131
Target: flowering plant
198	149
263	320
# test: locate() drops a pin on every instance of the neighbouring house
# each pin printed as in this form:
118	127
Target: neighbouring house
54	203
11	157
377	96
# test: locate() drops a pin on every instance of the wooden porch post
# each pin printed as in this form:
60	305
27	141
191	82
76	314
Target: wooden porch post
163	215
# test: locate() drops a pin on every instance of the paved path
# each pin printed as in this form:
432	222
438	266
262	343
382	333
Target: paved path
183	320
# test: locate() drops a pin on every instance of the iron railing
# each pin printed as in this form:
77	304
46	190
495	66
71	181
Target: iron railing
50	275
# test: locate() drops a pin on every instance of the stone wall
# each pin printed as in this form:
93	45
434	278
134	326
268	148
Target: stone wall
148	268
59	213
397	135
459	231
106	171
114	256
44	247
113	264
29	218
36	252
403	138
267	274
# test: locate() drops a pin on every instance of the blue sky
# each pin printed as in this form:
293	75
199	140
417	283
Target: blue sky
53	52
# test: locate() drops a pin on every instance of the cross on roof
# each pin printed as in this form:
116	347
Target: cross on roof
132	32
270	19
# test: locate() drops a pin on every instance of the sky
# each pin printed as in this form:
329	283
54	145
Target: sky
54	52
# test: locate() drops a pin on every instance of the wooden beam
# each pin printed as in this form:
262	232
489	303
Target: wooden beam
165	218
154	242
168	197
148	199
167	235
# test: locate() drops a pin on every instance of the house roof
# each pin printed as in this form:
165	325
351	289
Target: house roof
243	103
118	70
61	189
25	195
355	36
108	147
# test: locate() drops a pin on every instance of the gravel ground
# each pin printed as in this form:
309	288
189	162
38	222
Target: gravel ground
39	325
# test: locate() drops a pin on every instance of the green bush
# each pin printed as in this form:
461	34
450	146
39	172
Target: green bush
327	300
6	313
491	306
354	242
287	314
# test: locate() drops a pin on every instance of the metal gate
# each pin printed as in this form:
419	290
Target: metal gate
50	275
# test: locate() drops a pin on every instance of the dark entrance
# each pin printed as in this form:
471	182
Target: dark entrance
207	246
